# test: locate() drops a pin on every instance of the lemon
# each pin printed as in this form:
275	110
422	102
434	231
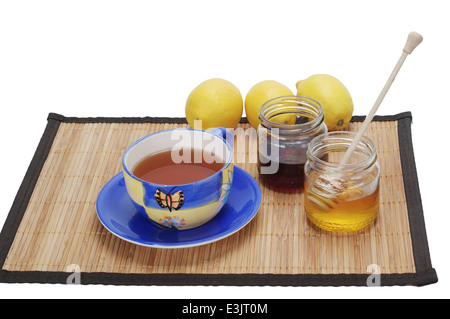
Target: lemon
216	102
334	97
259	94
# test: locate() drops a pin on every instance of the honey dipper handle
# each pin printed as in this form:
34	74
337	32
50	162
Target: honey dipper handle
414	39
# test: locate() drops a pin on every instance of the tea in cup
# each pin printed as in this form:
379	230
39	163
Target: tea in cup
180	178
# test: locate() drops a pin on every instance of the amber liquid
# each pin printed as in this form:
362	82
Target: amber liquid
161	169
349	211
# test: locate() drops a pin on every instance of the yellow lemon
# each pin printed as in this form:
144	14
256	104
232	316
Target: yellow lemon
259	94
334	97
216	102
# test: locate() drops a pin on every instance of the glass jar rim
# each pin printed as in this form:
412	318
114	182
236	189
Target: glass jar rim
313	105
365	143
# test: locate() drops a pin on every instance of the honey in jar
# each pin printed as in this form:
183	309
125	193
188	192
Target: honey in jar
341	197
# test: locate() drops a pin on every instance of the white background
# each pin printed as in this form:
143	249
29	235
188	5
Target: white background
142	58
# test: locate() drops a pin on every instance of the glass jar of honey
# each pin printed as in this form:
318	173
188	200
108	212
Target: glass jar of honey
287	125
341	197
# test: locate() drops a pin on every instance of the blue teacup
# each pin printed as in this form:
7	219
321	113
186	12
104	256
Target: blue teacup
182	206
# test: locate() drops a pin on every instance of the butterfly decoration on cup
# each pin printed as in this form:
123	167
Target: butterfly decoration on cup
168	199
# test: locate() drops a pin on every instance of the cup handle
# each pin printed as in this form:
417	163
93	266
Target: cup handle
223	133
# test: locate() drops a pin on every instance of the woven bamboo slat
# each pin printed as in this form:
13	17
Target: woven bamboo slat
60	226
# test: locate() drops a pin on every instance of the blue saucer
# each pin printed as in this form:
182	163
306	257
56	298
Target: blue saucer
118	214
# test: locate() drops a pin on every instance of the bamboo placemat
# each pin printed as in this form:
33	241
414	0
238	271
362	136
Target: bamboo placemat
52	229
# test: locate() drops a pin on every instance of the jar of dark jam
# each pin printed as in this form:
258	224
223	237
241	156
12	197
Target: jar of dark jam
287	125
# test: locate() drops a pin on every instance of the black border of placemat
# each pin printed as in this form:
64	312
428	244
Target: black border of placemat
425	274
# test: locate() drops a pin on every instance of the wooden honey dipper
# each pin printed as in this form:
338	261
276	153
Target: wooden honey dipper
414	39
